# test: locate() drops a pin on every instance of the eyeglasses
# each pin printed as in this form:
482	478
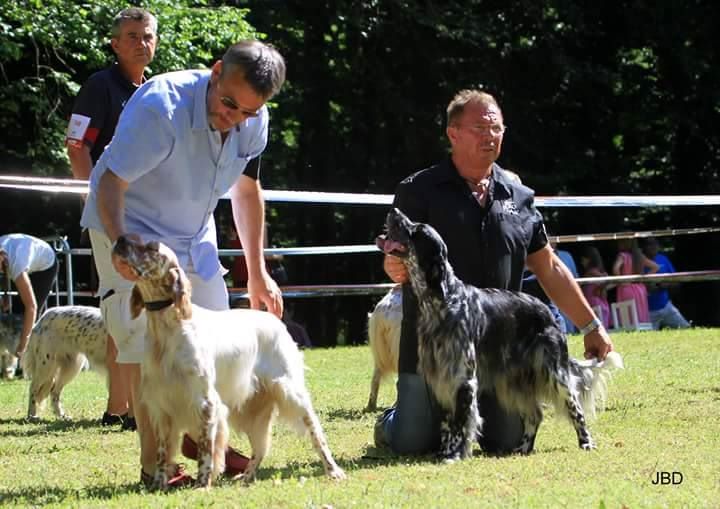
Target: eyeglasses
231	104
492	130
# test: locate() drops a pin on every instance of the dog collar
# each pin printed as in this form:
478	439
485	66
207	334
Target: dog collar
158	305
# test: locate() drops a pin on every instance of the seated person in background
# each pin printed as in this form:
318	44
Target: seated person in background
567	258
595	293
239	272
32	265
630	260
662	311
531	286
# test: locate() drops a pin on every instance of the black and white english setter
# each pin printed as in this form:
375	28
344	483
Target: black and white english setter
471	340
203	368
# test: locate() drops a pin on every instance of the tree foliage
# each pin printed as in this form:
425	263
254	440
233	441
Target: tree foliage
600	98
48	48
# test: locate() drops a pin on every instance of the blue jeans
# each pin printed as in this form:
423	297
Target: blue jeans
412	426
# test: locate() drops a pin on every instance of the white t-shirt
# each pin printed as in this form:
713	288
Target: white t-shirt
26	253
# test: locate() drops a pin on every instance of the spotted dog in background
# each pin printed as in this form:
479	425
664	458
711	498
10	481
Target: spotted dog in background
10	329
384	340
471	340
61	340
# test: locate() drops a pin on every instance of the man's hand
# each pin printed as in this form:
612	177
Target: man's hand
265	291
598	344
121	266
22	346
395	269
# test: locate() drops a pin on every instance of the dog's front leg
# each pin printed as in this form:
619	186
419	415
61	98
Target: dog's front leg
374	388
162	464
205	444
458	430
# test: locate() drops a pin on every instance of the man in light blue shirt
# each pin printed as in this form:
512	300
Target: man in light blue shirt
183	141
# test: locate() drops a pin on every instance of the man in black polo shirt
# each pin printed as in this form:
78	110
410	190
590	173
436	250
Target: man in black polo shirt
92	125
101	99
492	230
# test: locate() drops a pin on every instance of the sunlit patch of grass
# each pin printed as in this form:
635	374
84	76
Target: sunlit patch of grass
663	414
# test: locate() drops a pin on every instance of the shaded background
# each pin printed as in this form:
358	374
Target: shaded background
600	98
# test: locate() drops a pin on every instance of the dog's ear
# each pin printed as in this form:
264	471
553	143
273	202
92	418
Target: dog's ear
437	277
137	304
181	293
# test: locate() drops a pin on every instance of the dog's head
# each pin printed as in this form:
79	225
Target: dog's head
422	250
159	274
10	329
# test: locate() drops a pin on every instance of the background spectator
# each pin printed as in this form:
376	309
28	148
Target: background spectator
663	312
630	260
595	293
567	258
32	265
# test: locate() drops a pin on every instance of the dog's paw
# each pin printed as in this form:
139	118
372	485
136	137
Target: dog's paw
337	474
159	482
246	478
588	446
448	458
33	419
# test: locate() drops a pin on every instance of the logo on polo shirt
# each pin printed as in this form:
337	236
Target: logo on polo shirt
509	207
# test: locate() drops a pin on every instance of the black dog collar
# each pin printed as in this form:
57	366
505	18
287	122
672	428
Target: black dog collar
158	305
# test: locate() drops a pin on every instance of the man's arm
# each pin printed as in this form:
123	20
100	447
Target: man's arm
560	286
111	204
80	161
248	209
111	209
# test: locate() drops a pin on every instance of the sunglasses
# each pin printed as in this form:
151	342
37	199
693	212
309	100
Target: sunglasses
230	104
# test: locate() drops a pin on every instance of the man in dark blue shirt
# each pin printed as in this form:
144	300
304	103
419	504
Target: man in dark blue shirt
663	313
492	230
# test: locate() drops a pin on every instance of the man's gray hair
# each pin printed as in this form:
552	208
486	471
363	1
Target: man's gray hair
457	106
262	66
133	14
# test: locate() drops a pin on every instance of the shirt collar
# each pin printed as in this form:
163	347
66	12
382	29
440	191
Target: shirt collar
118	75
499	186
200	117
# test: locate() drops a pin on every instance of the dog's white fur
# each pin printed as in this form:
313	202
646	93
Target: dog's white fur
61	341
384	339
204	367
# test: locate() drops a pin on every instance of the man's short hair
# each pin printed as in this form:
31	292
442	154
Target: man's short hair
457	106
132	14
262	66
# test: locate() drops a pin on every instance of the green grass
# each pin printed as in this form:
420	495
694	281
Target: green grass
663	415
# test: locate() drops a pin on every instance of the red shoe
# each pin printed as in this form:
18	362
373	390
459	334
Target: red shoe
180	479
235	463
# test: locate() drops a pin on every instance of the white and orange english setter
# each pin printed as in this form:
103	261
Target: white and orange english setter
203	368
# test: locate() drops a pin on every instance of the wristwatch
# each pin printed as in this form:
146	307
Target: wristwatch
595	323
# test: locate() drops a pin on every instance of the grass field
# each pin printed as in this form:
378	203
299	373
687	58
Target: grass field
663	416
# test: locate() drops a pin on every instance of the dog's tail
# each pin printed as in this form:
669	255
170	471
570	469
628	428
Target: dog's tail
591	379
